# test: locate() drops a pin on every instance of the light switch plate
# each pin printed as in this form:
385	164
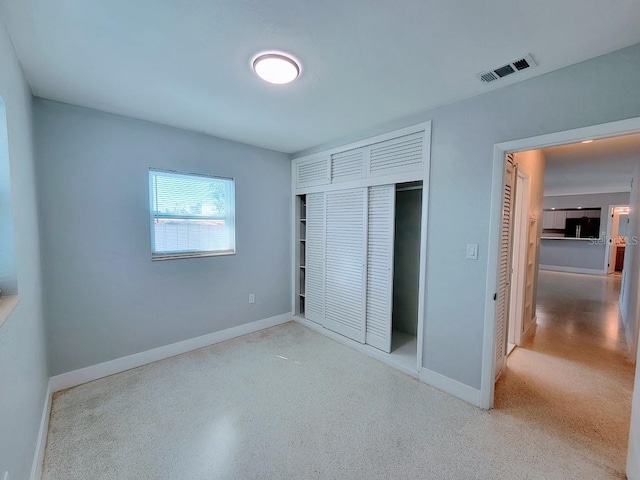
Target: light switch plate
472	251
252	298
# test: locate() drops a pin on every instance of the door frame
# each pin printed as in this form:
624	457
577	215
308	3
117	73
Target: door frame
609	240
621	127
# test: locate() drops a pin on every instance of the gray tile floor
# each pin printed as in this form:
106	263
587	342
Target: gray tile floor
288	403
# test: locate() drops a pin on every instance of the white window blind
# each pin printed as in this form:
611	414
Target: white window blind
191	215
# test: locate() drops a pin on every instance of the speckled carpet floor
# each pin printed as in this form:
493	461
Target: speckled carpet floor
289	403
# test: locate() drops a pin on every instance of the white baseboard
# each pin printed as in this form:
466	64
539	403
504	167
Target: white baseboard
94	372
628	333
559	268
38	459
450	386
633	457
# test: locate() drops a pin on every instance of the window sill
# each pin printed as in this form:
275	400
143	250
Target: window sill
178	256
8	304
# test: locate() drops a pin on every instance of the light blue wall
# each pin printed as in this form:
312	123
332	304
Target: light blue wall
104	296
23	368
580	253
464	134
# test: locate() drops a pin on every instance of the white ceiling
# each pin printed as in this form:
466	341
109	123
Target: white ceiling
185	63
604	165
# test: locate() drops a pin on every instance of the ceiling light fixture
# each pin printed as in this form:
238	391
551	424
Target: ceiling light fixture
587	141
276	68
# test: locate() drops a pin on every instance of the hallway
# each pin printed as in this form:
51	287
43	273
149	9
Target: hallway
574	378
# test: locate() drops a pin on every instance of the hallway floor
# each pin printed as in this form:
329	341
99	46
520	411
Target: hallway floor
574	379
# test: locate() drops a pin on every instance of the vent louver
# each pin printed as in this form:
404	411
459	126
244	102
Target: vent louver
517	65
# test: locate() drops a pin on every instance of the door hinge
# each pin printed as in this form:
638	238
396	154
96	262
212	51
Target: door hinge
495	297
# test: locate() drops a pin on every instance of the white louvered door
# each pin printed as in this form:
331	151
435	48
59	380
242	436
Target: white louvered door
400	154
315	249
345	262
380	241
313	172
504	270
347	165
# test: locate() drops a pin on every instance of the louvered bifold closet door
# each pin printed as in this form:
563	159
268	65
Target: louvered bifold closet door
347	165
315	246
504	267
400	154
345	269
380	239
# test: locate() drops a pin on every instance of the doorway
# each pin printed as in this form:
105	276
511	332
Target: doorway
617	227
492	311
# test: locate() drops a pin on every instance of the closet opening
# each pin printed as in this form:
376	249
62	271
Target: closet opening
406	271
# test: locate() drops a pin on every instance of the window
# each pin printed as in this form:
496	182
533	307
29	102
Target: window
191	215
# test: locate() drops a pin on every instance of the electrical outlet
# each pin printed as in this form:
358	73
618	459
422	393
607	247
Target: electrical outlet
252	298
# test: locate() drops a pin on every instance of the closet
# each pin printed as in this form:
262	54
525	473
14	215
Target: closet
359	247
406	269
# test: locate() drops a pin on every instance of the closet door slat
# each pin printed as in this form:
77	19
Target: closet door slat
315	246
345	267
380	244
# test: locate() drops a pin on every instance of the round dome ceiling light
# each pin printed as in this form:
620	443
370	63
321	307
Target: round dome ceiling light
276	68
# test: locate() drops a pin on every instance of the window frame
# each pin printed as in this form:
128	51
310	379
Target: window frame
159	256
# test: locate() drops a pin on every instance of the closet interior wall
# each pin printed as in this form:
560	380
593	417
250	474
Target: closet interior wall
406	271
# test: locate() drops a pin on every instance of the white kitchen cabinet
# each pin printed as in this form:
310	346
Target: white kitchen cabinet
559	219
547	219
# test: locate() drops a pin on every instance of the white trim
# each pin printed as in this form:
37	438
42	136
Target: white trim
38	459
628	332
589	191
561	268
633	461
450	386
593	132
94	372
368	350
404	177
519	251
529	330
621	127
424	226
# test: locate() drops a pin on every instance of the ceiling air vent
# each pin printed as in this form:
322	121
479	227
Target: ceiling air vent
505	70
